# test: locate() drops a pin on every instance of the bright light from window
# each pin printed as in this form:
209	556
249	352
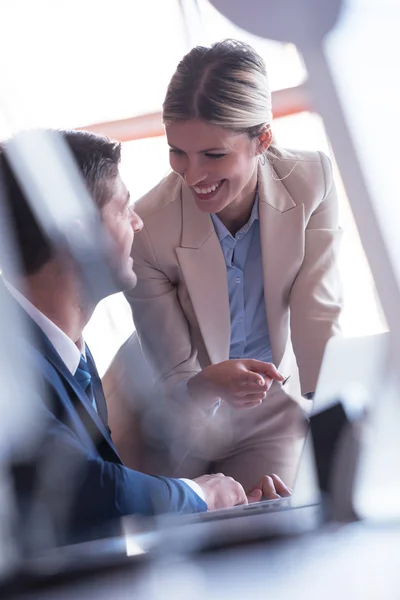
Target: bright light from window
69	64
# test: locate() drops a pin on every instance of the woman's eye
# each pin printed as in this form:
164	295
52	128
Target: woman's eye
215	155
175	151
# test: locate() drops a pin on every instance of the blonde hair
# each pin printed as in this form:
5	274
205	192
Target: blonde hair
225	84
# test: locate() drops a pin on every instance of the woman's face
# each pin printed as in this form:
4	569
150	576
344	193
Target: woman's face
217	164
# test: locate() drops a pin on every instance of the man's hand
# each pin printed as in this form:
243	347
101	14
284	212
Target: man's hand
220	491
243	383
270	487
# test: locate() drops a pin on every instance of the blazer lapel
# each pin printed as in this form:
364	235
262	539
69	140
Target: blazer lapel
282	247
97	390
204	271
97	429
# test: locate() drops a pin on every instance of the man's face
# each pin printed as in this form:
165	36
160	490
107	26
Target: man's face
121	223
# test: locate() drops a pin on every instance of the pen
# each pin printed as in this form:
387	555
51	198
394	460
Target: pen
285	380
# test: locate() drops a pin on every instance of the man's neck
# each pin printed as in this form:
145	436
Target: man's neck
59	298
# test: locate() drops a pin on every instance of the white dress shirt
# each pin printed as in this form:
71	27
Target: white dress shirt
66	348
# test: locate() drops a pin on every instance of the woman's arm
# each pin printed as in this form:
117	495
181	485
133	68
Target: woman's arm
316	295
159	319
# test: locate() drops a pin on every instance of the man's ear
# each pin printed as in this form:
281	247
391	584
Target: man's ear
264	140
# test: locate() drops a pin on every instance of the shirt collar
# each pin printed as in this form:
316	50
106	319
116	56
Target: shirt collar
222	232
68	351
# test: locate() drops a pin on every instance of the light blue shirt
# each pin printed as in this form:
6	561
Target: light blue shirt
242	252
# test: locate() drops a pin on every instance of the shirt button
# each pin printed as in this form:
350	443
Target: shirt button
240	320
238	280
239	235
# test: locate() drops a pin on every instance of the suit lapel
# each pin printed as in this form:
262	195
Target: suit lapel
92	421
204	271
281	220
97	389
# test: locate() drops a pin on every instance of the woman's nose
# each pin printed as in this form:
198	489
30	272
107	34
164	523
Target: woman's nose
193	175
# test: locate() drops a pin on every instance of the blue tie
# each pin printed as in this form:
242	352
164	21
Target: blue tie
83	376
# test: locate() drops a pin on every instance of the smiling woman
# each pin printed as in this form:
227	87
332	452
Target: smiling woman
236	264
218	165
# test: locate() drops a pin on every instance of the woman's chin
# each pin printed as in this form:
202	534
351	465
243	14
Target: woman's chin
210	207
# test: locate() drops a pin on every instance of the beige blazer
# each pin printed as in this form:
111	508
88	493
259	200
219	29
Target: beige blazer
180	304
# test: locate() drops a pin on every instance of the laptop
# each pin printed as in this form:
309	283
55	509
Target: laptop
352	368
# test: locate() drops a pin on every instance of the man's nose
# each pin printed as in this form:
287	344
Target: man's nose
136	222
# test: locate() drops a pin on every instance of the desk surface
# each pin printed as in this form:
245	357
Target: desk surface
351	561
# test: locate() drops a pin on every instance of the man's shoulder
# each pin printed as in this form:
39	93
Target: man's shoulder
44	374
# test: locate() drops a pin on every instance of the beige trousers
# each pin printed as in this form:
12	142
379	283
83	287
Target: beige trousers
244	444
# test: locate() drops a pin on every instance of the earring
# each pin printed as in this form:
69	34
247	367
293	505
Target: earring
262	138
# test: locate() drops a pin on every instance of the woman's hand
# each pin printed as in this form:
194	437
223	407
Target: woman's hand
243	383
270	487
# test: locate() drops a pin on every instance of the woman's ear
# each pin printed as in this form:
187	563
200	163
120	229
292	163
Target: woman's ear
264	140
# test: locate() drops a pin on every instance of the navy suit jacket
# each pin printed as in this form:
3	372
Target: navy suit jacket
83	482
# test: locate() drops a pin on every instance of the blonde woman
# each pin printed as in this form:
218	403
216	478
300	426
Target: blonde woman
236	265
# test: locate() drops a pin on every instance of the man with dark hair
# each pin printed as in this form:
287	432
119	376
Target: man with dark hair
79	466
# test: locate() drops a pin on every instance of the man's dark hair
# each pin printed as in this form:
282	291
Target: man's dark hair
98	159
